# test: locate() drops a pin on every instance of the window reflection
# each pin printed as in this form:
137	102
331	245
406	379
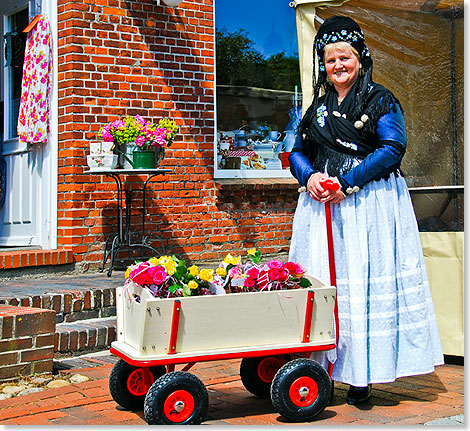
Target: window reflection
258	82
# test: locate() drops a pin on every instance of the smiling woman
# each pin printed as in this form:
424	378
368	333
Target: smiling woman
258	82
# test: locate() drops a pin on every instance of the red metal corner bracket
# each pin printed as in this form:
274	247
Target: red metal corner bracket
174	327
308	316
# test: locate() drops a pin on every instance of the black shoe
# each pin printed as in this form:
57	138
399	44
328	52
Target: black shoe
358	395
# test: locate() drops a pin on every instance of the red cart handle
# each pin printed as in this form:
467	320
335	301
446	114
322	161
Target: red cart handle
329	184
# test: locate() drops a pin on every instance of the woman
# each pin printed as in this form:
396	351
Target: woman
355	135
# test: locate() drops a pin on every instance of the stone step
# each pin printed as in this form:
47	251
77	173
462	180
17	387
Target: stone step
85	335
70	305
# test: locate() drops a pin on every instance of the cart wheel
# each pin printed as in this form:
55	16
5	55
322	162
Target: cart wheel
258	373
129	385
301	390
177	398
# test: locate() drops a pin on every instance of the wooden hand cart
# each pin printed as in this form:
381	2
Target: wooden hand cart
273	332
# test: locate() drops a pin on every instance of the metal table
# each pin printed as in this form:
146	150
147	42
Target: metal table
123	238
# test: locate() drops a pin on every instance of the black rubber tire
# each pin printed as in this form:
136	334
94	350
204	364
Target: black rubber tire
250	378
161	389
118	385
286	376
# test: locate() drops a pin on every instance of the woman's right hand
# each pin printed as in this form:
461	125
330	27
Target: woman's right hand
313	186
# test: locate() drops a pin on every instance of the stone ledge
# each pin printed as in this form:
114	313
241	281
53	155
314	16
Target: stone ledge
30	258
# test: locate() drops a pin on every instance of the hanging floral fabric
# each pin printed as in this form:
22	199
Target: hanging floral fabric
33	119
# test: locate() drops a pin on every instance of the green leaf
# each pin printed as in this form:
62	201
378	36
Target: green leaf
173	288
186	290
304	282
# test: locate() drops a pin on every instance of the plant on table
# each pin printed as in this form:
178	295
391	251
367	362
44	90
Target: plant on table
145	134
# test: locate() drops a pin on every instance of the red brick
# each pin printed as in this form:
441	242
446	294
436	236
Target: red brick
40	322
45	340
8	358
37	354
16	344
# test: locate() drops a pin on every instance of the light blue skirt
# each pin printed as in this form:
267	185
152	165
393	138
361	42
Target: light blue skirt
387	326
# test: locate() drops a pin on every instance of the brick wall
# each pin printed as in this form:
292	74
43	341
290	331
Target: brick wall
120	58
27	338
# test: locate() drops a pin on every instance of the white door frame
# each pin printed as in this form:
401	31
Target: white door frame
45	155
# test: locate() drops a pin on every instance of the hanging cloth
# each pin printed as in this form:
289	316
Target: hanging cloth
33	118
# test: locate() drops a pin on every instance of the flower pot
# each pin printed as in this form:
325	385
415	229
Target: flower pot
102	162
147	159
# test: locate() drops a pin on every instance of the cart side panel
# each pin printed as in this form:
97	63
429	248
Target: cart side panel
131	314
229	321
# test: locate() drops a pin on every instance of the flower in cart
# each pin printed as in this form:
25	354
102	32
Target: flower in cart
158	274
296	270
193	285
221	271
254	255
231	260
140	274
207	275
193	270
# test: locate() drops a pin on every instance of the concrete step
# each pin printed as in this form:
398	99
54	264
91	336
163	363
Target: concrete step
85	335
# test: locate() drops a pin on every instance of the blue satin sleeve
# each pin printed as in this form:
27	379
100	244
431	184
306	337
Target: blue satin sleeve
386	158
300	165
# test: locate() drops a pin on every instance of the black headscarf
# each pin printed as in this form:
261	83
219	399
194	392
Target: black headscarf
350	131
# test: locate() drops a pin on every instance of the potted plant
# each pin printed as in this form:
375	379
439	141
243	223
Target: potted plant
140	143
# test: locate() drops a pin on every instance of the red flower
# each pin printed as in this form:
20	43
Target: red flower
273	274
141	275
253	272
249	282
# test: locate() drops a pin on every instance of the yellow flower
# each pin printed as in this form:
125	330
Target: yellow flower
221	271
193	270
206	275
153	261
252	251
163	260
193	285
236	260
128	271
228	259
170	267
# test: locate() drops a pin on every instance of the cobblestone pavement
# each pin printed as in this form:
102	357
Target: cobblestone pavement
436	399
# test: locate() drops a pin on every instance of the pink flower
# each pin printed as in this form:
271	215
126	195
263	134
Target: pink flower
119	124
158	274
235	272
140	120
275	264
249	282
140	141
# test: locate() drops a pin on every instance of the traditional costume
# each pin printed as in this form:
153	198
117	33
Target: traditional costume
387	326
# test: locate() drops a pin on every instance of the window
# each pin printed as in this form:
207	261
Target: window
258	98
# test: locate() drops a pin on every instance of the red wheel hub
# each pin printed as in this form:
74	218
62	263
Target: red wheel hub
179	406
139	381
303	391
268	368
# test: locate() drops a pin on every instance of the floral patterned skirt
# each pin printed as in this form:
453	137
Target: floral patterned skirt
387	326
